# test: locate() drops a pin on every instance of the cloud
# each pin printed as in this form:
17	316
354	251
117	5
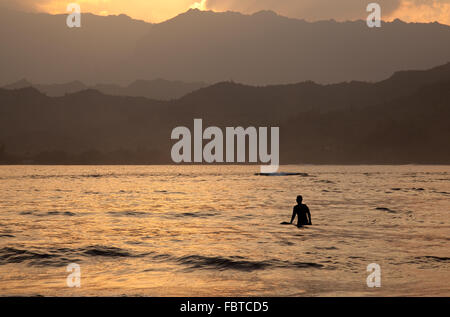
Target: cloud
423	11
201	5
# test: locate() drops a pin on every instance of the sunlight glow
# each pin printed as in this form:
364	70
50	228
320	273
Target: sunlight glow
409	11
199	5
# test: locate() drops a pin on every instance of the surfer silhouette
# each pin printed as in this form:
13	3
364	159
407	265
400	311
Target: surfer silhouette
302	213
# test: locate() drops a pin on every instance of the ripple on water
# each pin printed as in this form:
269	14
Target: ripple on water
386	209
34	258
48	213
240	263
128	213
432	258
61	256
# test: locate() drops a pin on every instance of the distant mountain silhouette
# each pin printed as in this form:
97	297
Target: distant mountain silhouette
306	96
57	90
203	46
403	119
158	89
265	48
23	83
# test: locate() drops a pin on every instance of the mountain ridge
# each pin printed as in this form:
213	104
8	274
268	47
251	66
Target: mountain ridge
158	89
353	123
197	46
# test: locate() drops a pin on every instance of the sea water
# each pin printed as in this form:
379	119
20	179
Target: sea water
215	230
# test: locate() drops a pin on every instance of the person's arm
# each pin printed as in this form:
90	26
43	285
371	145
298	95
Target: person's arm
309	215
293	215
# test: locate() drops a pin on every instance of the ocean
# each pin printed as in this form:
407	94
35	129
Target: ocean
215	230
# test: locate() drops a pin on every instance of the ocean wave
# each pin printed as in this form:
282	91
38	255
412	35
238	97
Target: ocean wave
76	176
34	258
128	213
198	214
432	258
325	181
61	256
386	209
168	192
305	265
326	248
105	251
49	213
220	263
240	264
443	193
61	213
6	236
282	174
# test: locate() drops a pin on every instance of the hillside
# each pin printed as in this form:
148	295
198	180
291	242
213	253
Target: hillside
400	120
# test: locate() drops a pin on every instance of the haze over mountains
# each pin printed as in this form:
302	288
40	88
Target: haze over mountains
158	89
199	46
403	119
41	48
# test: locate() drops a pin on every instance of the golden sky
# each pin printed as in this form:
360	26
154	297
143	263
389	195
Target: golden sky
423	11
160	10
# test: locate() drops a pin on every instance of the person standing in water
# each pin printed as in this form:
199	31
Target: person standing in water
302	212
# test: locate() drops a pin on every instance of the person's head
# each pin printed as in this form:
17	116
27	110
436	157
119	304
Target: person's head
299	199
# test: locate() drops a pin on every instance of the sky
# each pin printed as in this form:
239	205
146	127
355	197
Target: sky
160	10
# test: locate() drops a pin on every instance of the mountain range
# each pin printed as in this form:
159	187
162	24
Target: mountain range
204	46
158	89
402	119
